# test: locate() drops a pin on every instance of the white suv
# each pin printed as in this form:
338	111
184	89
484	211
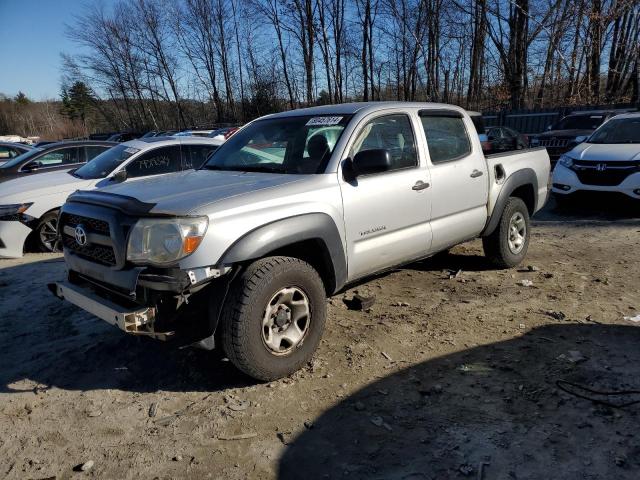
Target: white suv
609	160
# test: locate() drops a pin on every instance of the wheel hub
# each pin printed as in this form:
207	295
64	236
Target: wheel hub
517	233
286	320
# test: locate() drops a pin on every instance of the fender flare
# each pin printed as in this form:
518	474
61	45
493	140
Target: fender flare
288	231
523	177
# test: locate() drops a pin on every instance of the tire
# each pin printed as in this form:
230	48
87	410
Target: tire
256	310
497	247
45	237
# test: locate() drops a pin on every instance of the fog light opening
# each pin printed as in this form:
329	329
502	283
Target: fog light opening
560	186
637	191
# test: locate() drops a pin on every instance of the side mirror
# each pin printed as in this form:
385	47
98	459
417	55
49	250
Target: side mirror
32	167
119	177
371	161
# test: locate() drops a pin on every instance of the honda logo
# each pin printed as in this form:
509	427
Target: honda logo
601	167
81	236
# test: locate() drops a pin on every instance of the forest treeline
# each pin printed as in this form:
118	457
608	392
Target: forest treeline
151	64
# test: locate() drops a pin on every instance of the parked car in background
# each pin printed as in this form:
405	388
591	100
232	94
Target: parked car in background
223	133
52	157
193	133
504	139
124	136
243	252
43	143
9	150
570	131
29	206
478	123
608	161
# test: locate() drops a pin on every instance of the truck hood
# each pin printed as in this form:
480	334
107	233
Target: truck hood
606	151
184	192
32	187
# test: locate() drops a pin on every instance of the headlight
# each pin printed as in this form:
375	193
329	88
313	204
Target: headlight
566	161
15	209
162	241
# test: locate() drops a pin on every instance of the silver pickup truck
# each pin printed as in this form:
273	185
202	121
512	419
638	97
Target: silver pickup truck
290	210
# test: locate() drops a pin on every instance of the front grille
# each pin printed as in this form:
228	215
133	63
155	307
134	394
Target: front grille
91	224
97	253
605	173
553	142
102	254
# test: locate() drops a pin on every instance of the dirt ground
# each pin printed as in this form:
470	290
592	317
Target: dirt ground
443	378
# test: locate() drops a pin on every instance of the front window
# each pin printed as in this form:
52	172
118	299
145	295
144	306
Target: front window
291	145
580	122
105	163
620	130
21	158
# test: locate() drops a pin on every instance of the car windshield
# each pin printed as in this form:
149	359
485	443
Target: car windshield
105	163
618	130
21	158
291	145
579	122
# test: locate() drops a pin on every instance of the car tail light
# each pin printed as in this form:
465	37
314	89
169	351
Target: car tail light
230	132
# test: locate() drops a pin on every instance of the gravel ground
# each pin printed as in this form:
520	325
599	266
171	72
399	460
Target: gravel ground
446	376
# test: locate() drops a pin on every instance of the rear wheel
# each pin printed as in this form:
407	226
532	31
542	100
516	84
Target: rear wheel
274	317
507	246
46	233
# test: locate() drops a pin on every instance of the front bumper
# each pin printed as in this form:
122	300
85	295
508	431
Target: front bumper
13	234
568	178
137	321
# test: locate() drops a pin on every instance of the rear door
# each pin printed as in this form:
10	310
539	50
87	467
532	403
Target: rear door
459	177
386	216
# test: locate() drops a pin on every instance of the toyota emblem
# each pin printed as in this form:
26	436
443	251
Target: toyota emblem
81	236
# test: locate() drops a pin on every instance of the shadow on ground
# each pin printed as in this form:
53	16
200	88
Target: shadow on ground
494	408
591	207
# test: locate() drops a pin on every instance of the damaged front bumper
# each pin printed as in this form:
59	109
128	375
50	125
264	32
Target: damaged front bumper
182	306
138	321
13	234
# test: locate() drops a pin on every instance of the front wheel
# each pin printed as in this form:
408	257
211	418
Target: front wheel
507	246
274	317
46	233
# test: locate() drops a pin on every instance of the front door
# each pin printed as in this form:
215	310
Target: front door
387	214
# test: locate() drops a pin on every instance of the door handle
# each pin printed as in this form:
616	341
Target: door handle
476	173
420	185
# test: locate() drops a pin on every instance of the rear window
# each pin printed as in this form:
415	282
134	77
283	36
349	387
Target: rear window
447	138
579	122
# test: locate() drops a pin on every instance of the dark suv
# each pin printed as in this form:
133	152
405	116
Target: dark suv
53	156
571	130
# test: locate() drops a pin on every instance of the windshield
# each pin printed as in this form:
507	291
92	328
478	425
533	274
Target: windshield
20	158
292	145
621	130
105	163
579	122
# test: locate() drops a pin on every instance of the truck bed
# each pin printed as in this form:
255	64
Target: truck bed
502	165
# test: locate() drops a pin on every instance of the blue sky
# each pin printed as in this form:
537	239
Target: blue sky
31	39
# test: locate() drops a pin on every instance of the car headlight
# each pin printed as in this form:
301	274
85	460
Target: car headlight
11	210
566	161
162	241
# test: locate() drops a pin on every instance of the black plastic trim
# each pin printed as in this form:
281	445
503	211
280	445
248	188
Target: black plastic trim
523	177
288	231
125	204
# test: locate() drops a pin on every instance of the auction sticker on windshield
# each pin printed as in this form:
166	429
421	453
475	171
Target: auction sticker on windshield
323	121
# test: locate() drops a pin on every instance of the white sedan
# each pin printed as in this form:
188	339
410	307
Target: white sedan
608	161
29	206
